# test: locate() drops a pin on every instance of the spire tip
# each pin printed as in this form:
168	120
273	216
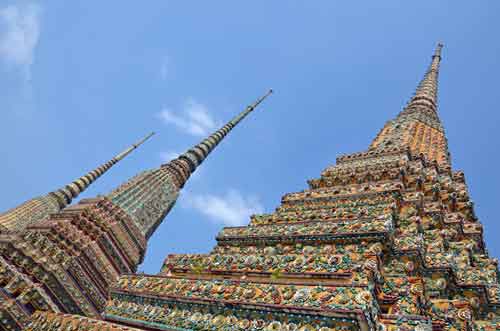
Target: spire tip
437	52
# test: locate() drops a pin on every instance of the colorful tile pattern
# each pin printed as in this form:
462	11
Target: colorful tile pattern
386	239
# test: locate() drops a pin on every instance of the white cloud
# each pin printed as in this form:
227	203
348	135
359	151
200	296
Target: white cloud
169	156
19	34
195	118
232	208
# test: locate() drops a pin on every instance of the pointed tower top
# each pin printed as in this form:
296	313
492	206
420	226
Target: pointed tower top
36	209
196	155
417	128
425	97
126	152
437	52
67	193
148	197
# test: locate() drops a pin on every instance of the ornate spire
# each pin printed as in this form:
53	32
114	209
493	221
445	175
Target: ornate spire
149	196
67	193
417	128
196	155
38	208
426	93
129	150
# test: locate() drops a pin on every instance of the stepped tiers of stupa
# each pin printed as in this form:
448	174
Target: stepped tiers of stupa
386	239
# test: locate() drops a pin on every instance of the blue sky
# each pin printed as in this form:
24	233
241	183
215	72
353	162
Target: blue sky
80	82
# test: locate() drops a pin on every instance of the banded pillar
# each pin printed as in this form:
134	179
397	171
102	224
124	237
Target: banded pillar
148	197
36	209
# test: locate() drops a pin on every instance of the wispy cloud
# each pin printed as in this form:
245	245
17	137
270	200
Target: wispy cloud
19	35
194	119
232	208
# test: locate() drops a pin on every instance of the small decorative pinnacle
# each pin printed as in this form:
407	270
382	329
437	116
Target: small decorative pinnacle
160	188
425	97
38	208
198	153
263	97
144	139
134	146
66	194
437	52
